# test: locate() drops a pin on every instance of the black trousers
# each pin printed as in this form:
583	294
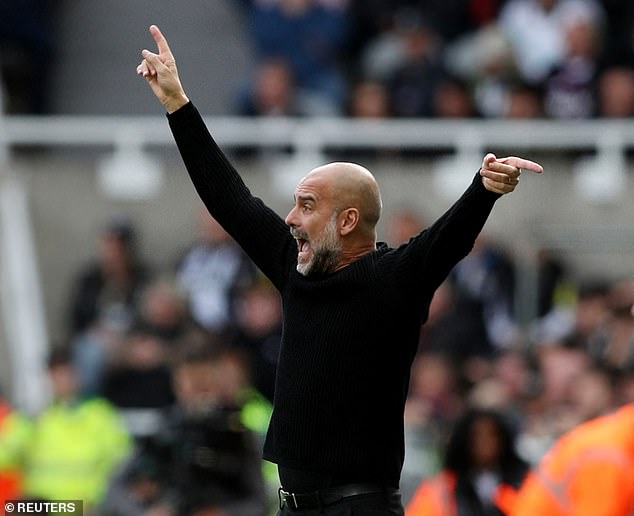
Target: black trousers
377	504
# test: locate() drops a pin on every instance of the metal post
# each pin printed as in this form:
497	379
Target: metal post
21	302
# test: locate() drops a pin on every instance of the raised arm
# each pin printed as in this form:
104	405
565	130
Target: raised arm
258	229
422	264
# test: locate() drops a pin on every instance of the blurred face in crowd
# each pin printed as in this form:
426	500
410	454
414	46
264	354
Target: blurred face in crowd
196	385
452	100
402	226
162	307
590	313
523	103
259	310
616	91
485	443
233	378
274	88
64	381
115	254
370	100
591	395
582	39
143	351
336	206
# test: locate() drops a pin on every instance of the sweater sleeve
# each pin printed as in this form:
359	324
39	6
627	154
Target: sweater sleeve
421	265
257	228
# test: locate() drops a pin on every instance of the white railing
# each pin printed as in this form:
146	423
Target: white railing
334	133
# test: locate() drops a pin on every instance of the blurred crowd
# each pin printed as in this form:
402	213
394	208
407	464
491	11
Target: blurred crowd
518	59
162	388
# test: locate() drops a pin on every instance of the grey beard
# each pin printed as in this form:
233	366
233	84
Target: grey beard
324	261
327	252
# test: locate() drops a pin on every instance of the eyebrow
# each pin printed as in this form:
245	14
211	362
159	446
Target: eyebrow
305	198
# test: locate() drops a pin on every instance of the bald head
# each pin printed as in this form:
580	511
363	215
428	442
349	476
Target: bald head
350	185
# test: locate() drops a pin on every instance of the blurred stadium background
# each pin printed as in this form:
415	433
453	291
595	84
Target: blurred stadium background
416	91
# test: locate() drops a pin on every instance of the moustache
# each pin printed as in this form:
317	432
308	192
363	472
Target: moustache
296	233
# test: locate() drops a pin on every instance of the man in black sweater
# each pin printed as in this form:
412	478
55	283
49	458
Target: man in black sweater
352	307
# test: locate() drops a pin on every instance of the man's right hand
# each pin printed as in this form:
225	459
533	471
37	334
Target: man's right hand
160	72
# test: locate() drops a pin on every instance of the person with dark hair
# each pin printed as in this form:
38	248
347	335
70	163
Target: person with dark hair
104	301
481	470
352	307
106	291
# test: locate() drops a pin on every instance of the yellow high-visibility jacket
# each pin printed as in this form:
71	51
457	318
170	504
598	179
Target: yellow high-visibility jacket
73	451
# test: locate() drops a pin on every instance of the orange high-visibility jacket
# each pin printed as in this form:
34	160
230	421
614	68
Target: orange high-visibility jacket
436	497
588	472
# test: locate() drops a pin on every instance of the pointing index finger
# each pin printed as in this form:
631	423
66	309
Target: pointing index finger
160	40
522	163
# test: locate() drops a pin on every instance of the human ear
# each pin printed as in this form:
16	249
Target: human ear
348	221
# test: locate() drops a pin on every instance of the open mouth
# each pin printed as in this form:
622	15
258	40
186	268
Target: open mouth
303	248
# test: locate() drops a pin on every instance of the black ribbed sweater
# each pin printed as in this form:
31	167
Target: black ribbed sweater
349	337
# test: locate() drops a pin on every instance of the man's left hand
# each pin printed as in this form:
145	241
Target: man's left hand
502	175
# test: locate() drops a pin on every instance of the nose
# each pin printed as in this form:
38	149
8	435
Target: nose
291	218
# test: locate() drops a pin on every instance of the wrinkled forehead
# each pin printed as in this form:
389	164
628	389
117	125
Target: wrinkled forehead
315	185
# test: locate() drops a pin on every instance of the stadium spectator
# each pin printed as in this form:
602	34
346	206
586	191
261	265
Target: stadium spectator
210	273
585	325
592	394
105	300
163	310
616	92
272	92
570	88
523	102
107	289
75	444
416	73
139	378
547	414
433	405
259	334
452	99
535	29
369	100
203	460
484	60
434	397
310	35
616	351
479	321
481	471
